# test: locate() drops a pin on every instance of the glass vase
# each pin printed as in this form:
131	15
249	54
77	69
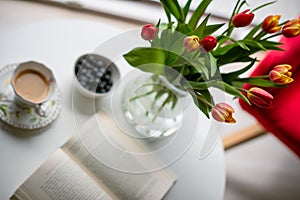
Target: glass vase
153	106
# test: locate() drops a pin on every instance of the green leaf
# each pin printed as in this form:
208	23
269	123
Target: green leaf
213	64
221	39
145	55
200	66
171	43
200	29
253	31
174	101
142	95
176	43
205	96
223	50
165	38
173	8
3	109
186	8
234	75
183	28
258	81
209	29
156	42
198	13
147	59
203	107
230	90
271	45
152	60
237	84
243	45
255	44
201	85
168	14
153	68
158	23
236	54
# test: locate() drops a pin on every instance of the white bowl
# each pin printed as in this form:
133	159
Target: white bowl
87	68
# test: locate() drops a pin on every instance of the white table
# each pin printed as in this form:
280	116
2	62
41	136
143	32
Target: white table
58	44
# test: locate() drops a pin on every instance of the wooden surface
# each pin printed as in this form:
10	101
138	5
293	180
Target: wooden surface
243	135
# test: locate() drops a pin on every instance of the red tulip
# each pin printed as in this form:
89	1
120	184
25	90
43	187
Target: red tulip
270	24
222	112
291	28
208	43
260	97
242	19
280	74
148	32
191	43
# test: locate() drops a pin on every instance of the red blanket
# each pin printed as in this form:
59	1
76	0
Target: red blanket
283	120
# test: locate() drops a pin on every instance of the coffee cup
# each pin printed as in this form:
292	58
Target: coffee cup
33	83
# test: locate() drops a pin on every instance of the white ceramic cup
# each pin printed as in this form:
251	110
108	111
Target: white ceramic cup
33	83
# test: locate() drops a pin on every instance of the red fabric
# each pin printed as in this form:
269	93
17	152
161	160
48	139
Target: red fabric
283	120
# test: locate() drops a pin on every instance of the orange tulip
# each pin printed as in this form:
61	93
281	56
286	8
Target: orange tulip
260	97
270	24
291	28
222	112
280	74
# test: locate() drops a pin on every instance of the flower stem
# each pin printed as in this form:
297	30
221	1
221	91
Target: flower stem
201	98
271	36
263	76
242	89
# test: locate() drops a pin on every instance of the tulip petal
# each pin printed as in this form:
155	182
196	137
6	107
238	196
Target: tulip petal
260	97
222	112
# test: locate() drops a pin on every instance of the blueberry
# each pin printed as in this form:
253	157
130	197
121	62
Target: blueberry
107	76
79	62
107	87
77	69
92	59
102	84
92	73
99	63
108	72
99	74
102	70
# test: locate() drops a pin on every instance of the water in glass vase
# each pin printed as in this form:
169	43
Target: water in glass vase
153	106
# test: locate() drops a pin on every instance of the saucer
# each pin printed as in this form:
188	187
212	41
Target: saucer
21	117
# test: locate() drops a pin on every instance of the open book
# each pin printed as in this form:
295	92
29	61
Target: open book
73	173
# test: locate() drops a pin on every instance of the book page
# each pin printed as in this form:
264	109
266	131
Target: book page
124	184
60	178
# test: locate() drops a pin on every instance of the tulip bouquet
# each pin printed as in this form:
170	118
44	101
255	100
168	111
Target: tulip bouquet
191	47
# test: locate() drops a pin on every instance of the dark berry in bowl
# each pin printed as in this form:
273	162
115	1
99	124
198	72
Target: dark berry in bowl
95	75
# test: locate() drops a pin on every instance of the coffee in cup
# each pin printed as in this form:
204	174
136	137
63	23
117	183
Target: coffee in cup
33	83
